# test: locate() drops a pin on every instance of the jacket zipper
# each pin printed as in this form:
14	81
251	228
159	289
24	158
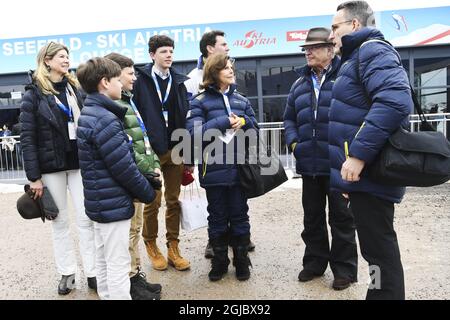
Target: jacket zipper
360	128
205	161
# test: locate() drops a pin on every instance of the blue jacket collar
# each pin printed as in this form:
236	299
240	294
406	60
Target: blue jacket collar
230	92
353	40
104	101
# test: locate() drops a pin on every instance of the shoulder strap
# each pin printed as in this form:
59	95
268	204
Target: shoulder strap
425	124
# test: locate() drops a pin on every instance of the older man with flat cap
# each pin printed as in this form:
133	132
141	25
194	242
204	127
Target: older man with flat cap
306	124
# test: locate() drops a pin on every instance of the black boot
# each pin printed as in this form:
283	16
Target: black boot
139	291
240	256
209	253
220	261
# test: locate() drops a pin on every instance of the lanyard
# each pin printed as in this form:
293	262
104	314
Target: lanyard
144	130
227	103
317	85
158	89
66	110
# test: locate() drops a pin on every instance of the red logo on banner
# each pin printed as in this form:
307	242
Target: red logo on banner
254	38
299	35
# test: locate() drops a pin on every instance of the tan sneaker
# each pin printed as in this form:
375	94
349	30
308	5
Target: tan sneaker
174	257
156	257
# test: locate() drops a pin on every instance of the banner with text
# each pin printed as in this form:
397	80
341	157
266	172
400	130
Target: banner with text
245	38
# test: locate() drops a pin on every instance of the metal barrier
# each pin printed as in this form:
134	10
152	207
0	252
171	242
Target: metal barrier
440	121
274	131
11	161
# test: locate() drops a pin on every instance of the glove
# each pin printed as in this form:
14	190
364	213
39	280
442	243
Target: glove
152	179
293	145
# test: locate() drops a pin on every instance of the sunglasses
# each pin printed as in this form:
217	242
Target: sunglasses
49	45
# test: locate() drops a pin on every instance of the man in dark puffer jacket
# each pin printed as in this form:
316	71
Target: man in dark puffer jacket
111	178
371	99
306	123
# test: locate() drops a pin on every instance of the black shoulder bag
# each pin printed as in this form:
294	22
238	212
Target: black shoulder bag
420	159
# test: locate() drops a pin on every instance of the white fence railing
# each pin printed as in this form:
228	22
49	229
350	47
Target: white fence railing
11	161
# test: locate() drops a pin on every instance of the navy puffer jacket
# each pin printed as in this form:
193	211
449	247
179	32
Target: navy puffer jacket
311	135
208	111
367	109
111	178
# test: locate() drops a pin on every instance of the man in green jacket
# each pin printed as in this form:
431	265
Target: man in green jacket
148	163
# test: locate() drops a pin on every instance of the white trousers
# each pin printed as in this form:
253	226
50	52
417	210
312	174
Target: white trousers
113	259
66	264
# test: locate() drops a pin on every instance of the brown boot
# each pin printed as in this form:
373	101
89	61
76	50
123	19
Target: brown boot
156	257
174	257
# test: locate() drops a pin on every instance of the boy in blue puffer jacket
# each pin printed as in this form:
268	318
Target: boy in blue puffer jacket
111	178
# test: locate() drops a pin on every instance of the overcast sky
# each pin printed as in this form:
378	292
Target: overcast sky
30	18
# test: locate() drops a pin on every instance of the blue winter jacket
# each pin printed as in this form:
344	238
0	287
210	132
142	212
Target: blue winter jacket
111	178
208	111
310	133
367	108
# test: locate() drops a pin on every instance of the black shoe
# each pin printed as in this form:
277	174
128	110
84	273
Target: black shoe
341	283
251	246
92	283
307	275
66	284
152	287
209	252
139	291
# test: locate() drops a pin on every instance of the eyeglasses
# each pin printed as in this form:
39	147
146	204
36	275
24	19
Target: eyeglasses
313	47
336	25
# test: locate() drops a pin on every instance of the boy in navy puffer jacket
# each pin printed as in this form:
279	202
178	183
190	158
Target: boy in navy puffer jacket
111	178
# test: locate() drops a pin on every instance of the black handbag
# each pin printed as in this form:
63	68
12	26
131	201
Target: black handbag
258	175
419	159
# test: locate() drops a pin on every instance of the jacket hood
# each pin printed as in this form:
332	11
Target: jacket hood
179	78
96	99
127	96
352	41
200	63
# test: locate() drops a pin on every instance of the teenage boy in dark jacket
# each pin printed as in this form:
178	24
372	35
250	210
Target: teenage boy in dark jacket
161	98
111	178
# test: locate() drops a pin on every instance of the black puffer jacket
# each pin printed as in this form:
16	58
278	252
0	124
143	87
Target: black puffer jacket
44	137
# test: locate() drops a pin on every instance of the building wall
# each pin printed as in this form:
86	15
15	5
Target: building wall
266	81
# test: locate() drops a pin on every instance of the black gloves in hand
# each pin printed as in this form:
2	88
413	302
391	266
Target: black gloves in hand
152	177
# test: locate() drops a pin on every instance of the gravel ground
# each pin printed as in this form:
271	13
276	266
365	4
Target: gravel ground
27	269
